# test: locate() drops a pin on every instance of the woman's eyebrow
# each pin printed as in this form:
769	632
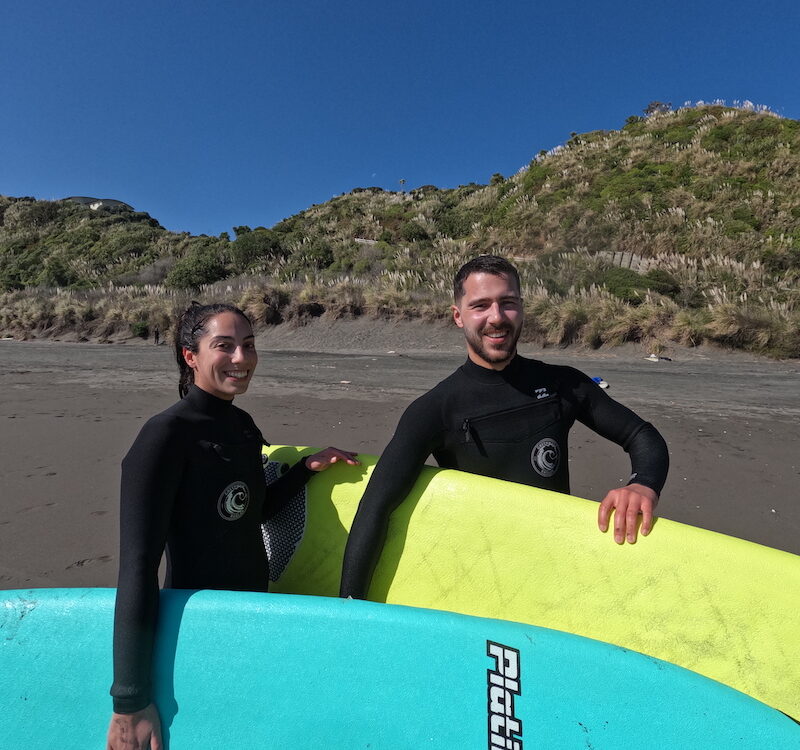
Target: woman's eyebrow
231	338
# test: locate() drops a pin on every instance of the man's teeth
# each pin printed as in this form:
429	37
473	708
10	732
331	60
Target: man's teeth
496	335
237	374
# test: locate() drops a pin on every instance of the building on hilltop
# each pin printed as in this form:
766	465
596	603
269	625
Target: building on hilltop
95	203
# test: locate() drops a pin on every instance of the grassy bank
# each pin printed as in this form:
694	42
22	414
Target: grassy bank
714	300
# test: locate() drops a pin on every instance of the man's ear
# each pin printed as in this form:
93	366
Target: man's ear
457	316
189	357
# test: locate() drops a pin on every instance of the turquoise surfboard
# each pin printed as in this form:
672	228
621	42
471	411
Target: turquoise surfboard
248	670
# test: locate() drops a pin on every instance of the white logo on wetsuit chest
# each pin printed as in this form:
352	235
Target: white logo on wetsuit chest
545	457
233	501
541	393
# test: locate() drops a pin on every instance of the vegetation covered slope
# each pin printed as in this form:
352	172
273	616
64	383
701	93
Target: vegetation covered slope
683	225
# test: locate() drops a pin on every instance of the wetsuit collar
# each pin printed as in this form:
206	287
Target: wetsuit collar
204	402
488	375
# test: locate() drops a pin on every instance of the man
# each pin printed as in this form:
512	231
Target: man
503	416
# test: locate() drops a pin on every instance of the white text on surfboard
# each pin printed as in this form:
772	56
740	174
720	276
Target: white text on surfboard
503	684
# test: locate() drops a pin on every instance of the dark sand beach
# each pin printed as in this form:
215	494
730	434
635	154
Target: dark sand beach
70	411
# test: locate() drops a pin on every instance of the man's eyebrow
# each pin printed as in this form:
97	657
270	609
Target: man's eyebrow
231	338
504	298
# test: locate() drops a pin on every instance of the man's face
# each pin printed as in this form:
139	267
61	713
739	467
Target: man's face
490	312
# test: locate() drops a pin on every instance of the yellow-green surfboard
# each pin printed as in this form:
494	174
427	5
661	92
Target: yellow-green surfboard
720	606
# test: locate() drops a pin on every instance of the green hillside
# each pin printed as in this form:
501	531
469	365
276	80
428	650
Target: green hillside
681	226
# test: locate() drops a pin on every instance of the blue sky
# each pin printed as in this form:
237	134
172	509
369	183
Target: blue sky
209	115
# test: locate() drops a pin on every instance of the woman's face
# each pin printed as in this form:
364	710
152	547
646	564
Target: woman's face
226	356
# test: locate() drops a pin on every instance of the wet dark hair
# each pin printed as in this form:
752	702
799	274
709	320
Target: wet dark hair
492	264
190	328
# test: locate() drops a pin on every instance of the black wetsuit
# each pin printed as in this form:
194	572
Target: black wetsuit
510	424
192	481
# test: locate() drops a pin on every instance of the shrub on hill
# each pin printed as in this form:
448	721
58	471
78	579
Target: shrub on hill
202	265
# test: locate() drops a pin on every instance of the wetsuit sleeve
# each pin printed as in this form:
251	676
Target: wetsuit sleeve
286	487
151	475
393	476
610	419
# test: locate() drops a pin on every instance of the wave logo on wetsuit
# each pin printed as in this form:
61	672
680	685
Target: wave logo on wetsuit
545	457
233	501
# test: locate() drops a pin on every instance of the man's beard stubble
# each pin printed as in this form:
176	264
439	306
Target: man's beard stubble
496	356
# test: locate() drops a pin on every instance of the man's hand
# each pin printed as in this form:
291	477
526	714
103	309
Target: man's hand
322	460
139	731
628	502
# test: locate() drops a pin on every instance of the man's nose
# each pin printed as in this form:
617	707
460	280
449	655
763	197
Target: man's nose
496	313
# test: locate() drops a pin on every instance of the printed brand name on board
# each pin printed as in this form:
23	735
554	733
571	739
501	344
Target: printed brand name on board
502	686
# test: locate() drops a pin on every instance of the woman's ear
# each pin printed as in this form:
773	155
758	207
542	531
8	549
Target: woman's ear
189	357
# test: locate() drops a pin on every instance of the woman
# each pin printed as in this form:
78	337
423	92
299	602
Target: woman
193	483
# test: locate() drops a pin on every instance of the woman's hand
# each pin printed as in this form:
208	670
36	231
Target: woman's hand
322	460
139	731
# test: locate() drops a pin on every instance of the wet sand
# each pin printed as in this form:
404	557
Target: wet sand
70	411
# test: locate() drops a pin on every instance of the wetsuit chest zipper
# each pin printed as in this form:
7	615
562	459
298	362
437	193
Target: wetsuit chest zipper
469	424
228	451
